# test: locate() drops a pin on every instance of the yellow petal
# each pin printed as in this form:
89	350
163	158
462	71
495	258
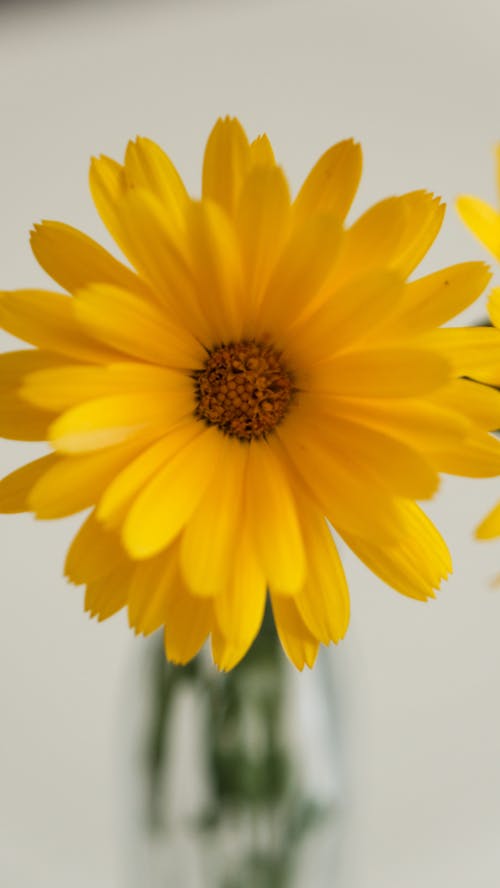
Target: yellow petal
305	263
74	260
434	299
398	465
423	218
120	493
108	186
323	602
261	152
93	553
108	421
272	516
382	373
216	267
106	595
483	220
154	582
14	366
494	306
420	424
47	320
209	542
75	483
490	526
478	456
298	643
147	166
15	488
416	564
135	327
63	387
239	608
336	487
188	623
226	162
21	422
332	183
168	501
353	312
262	221
479	403
471	351
160	255
372	242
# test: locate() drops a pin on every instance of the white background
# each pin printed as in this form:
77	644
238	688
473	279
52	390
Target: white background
418	84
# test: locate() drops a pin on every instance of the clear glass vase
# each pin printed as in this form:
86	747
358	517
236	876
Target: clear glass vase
230	780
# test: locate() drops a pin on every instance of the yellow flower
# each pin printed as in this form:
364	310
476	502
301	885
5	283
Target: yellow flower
484	221
261	367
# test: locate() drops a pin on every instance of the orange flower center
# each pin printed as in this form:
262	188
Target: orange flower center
243	388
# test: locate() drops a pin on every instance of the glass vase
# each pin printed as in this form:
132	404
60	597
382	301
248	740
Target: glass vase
230	780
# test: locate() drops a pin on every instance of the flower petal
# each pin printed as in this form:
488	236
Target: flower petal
75	483
169	500
389	372
47	320
107	421
332	183
16	487
416	563
262	222
298	642
62	387
323	602
272	517
120	493
74	260
188	624
226	162
483	220
148	167
490	526
210	539
93	553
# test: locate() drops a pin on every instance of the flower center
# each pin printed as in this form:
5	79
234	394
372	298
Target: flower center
243	388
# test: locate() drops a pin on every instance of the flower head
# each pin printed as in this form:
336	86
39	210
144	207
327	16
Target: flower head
257	368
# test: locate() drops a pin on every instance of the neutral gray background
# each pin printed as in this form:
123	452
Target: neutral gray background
418	84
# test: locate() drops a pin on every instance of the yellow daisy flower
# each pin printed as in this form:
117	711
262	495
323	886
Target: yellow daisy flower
484	221
257	367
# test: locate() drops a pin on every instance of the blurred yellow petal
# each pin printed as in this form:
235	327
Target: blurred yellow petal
483	220
490	526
